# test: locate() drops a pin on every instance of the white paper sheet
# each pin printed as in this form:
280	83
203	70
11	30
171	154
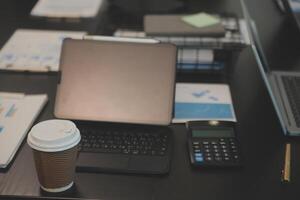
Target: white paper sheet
192	55
203	102
34	50
67	8
17	114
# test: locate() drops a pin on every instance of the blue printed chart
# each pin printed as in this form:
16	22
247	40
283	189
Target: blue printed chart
17	113
34	50
203	102
7	111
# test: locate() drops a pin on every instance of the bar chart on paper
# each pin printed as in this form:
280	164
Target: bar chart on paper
203	102
17	113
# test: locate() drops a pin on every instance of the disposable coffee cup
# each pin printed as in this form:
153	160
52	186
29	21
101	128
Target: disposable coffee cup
55	147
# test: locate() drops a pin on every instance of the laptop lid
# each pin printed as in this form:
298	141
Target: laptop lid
112	81
262	62
292	7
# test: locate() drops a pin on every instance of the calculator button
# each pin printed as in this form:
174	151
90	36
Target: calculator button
196	147
207	150
223	146
208	154
215	146
226	158
234	150
198	154
209	158
205	142
236	157
196	143
216	150
197	150
222	139
218	158
226	154
223	143
199	159
217	154
206	146
213	143
224	150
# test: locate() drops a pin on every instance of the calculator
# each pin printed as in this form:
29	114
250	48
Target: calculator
213	144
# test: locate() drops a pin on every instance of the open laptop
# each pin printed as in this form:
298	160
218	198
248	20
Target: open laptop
292	8
283	86
129	84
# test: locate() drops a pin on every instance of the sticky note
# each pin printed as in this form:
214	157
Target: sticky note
200	20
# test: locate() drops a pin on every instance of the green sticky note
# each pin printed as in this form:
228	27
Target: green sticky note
200	20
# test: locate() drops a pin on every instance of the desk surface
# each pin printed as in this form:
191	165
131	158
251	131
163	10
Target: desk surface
258	127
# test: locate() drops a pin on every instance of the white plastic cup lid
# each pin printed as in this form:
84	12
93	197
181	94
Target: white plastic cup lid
53	135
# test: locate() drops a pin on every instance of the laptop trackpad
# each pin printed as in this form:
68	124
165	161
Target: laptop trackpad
99	161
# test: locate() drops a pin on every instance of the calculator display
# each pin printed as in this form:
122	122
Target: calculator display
228	132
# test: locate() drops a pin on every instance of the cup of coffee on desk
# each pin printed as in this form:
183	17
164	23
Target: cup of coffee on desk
55	147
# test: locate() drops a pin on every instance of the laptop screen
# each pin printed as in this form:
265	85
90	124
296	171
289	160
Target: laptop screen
112	81
261	59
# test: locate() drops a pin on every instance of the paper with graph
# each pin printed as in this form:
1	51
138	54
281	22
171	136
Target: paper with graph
34	50
17	113
203	102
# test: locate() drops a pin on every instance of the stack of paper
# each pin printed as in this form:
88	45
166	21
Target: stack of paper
67	8
17	113
203	102
195	58
34	50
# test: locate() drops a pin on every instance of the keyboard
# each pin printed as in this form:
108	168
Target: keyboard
292	88
133	142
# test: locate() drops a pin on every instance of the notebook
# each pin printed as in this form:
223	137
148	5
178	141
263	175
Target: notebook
129	84
166	25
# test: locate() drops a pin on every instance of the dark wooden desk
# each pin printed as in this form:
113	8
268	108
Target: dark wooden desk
258	127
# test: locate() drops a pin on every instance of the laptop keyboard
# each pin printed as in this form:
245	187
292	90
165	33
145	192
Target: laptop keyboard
124	142
292	87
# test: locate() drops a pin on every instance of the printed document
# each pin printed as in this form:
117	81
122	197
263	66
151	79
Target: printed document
17	113
67	8
34	50
195	101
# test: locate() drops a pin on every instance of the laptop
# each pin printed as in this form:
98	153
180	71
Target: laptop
292	8
283	86
120	94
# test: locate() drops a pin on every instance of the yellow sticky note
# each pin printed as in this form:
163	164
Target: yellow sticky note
200	20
